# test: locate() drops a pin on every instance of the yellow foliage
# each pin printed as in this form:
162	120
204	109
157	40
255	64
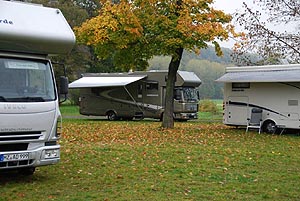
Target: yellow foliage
159	24
113	18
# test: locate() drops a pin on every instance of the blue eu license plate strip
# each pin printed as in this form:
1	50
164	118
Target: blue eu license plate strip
14	157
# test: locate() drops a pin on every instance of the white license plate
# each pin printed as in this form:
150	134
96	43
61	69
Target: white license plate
14	157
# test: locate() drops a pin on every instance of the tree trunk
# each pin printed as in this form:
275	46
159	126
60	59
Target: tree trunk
168	118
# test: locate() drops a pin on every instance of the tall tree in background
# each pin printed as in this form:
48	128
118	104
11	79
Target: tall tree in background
91	6
132	31
274	38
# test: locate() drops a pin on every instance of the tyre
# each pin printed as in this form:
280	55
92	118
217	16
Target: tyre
161	117
270	127
112	116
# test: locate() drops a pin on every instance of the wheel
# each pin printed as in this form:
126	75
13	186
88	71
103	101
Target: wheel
270	127
27	171
111	116
161	117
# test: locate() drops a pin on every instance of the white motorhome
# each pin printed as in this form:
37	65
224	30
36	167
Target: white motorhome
275	89
30	120
137	95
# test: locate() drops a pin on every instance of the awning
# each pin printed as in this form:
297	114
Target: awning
107	81
282	75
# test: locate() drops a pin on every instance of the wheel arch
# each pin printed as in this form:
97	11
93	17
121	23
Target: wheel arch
111	110
269	122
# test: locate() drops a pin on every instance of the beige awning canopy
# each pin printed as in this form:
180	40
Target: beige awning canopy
108	81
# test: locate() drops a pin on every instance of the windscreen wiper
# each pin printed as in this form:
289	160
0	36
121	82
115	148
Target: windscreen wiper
29	99
2	99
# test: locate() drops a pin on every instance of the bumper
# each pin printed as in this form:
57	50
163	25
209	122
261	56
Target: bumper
186	116
47	155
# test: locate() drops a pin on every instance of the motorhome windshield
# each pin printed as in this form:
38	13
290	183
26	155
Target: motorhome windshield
190	94
25	81
186	94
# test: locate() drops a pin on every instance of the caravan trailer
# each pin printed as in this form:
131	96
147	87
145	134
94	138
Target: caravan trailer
275	89
137	95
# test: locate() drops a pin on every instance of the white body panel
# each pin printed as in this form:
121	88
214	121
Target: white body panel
280	103
34	29
30	120
29	123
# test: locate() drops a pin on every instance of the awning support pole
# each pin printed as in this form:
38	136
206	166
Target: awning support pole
133	98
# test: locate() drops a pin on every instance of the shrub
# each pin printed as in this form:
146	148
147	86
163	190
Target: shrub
208	106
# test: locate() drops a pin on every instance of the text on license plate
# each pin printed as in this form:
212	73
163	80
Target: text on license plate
14	157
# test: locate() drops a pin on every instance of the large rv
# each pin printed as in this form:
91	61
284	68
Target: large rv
30	120
274	89
137	95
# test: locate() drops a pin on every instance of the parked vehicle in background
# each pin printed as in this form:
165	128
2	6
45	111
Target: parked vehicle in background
30	120
137	95
274	89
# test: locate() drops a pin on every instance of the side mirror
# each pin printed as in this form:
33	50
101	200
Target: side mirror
64	85
177	95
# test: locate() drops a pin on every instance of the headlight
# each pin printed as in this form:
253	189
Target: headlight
51	153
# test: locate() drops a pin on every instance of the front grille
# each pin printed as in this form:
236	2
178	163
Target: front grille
191	107
20	136
13	147
10	164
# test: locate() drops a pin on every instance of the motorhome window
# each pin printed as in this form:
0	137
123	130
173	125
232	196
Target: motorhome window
140	91
292	102
237	86
26	80
178	94
190	94
152	88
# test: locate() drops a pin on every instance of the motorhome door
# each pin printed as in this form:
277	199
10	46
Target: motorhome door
237	109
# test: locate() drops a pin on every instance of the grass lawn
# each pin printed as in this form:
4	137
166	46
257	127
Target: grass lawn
210	116
71	110
137	160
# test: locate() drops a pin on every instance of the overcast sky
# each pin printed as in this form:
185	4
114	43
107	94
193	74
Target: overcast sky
230	7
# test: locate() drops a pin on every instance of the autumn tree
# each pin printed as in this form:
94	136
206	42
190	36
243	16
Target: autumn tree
91	6
131	32
271	32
